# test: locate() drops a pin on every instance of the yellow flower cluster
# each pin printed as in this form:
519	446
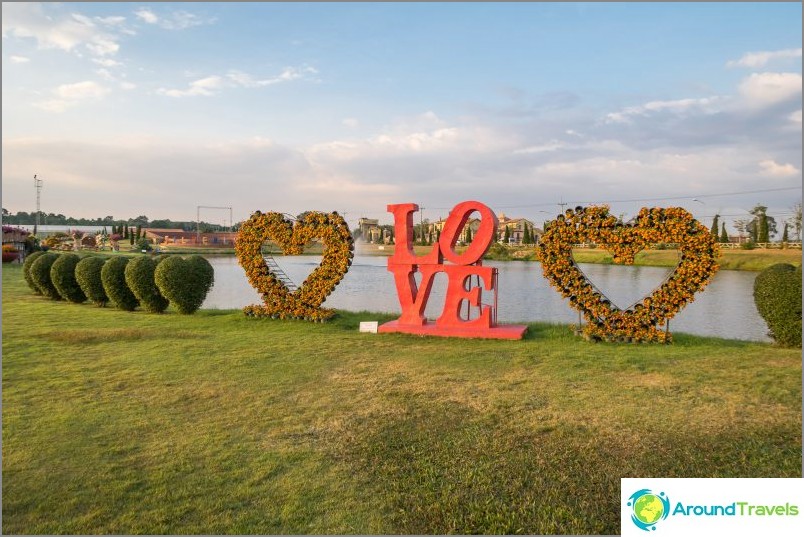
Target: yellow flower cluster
304	303
606	321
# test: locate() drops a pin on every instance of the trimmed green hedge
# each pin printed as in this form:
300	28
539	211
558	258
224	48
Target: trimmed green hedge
185	282
26	270
113	277
40	274
88	275
140	279
62	274
777	295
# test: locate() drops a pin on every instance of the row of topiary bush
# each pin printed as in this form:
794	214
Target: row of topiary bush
149	283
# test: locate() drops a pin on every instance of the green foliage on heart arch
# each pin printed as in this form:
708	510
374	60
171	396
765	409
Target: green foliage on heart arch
698	251
304	303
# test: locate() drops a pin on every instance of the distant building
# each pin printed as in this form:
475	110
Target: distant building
369	229
178	237
15	236
516	229
435	229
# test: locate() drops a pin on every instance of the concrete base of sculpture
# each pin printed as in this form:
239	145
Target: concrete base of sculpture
503	331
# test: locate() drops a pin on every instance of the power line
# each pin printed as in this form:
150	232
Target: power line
718	195
747	215
562	203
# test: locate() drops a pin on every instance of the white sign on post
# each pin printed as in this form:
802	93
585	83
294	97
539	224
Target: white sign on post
369	327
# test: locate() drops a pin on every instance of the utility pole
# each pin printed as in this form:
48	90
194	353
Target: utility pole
38	186
198	220
562	204
421	224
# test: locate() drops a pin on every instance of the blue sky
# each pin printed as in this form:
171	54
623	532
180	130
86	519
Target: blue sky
137	108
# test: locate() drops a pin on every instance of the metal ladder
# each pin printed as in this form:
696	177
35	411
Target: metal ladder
277	271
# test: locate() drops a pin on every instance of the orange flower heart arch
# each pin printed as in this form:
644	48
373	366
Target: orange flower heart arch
305	302
698	251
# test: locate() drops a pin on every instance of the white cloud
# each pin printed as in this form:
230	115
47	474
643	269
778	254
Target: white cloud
182	19
111	21
205	86
69	95
101	46
395	143
679	106
176	20
19	59
553	145
795	117
770	168
127	86
212	84
755	92
403	162
761	90
439	139
107	62
81	90
115	23
288	74
760	59
68	33
105	74
146	15
350	122
54	105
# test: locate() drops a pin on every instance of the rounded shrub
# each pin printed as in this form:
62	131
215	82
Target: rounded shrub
40	274
26	270
62	274
140	279
185	282
113	278
777	295
88	275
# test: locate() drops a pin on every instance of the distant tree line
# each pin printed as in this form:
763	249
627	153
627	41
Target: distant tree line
51	219
762	228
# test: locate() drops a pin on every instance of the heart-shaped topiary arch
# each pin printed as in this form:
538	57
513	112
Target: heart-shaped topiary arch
278	300
696	266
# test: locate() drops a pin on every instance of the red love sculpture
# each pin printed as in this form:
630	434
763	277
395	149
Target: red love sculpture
404	265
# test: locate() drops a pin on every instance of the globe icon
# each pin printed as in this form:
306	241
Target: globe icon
648	509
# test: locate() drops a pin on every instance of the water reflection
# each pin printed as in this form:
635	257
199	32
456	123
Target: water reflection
725	308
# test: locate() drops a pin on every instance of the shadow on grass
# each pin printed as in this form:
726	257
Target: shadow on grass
105	335
446	468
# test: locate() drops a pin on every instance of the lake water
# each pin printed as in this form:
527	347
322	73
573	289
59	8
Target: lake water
724	309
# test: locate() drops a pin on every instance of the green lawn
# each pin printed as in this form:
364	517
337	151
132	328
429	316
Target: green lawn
754	260
118	422
729	259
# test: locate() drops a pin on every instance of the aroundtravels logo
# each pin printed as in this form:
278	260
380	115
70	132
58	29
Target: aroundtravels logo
648	508
711	506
